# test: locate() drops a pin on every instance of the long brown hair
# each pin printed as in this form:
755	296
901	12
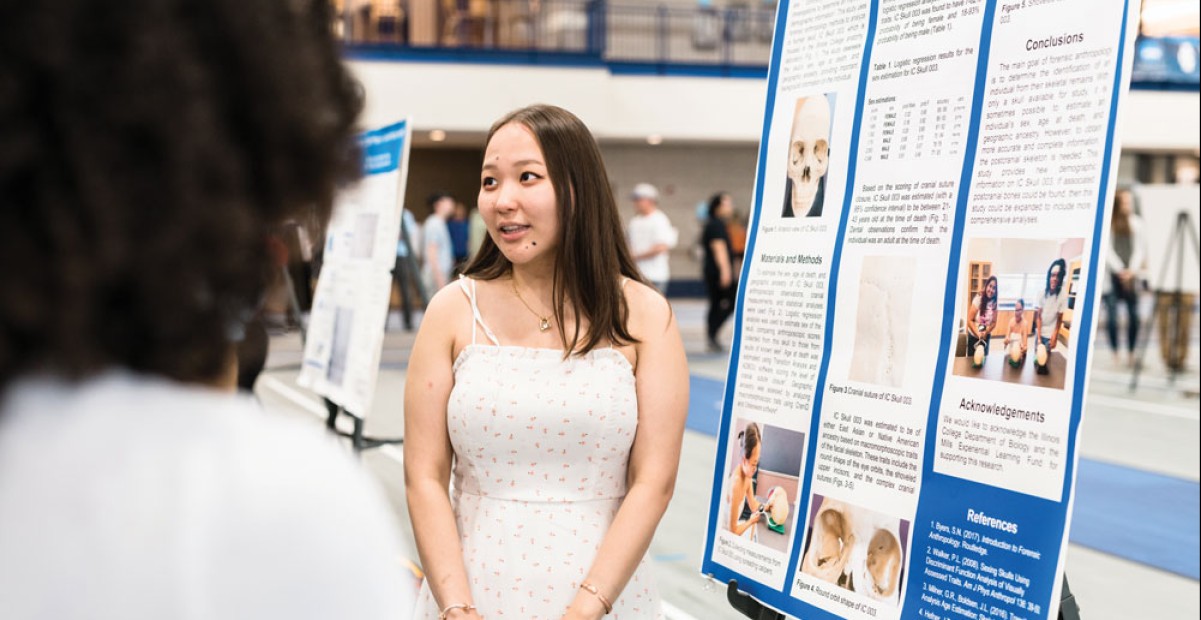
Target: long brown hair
592	251
1119	221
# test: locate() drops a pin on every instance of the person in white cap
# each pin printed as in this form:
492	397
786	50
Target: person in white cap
651	236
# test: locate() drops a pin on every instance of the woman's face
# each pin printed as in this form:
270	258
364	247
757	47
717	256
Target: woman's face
725	209
991	289
517	200
1054	278
751	465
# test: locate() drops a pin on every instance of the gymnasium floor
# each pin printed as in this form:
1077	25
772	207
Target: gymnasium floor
1134	548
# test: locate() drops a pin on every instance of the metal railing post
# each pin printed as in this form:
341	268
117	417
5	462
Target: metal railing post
662	34
727	34
597	27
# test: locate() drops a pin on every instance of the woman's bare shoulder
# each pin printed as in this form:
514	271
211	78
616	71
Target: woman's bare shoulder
649	309
448	308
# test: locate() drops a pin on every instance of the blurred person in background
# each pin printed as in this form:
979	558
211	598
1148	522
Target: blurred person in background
438	253
477	231
1127	253
651	236
718	267
737	229
405	272
251	353
149	149
458	227
299	243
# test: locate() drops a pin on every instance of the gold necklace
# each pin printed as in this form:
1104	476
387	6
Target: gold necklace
543	321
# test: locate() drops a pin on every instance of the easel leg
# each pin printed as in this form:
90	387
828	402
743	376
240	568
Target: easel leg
1144	342
358	440
748	606
1068	609
331	421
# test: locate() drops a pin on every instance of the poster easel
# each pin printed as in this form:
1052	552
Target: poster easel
1175	251
749	607
358	440
344	334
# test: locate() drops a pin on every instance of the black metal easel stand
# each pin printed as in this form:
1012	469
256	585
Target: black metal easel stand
749	607
357	438
1175	249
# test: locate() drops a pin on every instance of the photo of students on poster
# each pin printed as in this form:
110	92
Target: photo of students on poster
1018	301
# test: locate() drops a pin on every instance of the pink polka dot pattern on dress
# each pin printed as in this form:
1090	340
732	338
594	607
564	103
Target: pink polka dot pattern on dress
542	446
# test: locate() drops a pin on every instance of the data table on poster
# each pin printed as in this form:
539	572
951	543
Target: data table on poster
914	129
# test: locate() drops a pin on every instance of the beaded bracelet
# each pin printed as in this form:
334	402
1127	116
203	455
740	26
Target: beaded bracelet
596	592
449	608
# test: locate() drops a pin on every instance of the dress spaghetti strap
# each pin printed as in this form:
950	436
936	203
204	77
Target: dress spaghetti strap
469	291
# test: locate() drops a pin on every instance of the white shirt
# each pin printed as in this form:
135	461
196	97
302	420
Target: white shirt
645	232
434	232
411	239
1050	306
134	498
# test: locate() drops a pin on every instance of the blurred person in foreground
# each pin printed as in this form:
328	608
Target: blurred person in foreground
149	149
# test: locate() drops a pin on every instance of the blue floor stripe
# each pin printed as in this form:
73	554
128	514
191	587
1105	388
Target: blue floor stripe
1135	515
704	405
1139	516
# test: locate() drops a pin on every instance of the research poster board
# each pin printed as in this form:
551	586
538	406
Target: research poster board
917	305
350	306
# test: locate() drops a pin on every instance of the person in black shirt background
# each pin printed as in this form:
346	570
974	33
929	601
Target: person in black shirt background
718	266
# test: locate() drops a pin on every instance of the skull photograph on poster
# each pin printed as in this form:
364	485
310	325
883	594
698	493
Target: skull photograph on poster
856	548
808	156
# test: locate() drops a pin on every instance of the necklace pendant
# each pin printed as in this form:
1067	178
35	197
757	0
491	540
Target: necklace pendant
543	324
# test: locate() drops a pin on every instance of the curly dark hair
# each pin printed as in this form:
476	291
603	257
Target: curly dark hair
149	148
1062	265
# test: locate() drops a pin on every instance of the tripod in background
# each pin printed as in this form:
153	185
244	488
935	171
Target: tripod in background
1176	311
